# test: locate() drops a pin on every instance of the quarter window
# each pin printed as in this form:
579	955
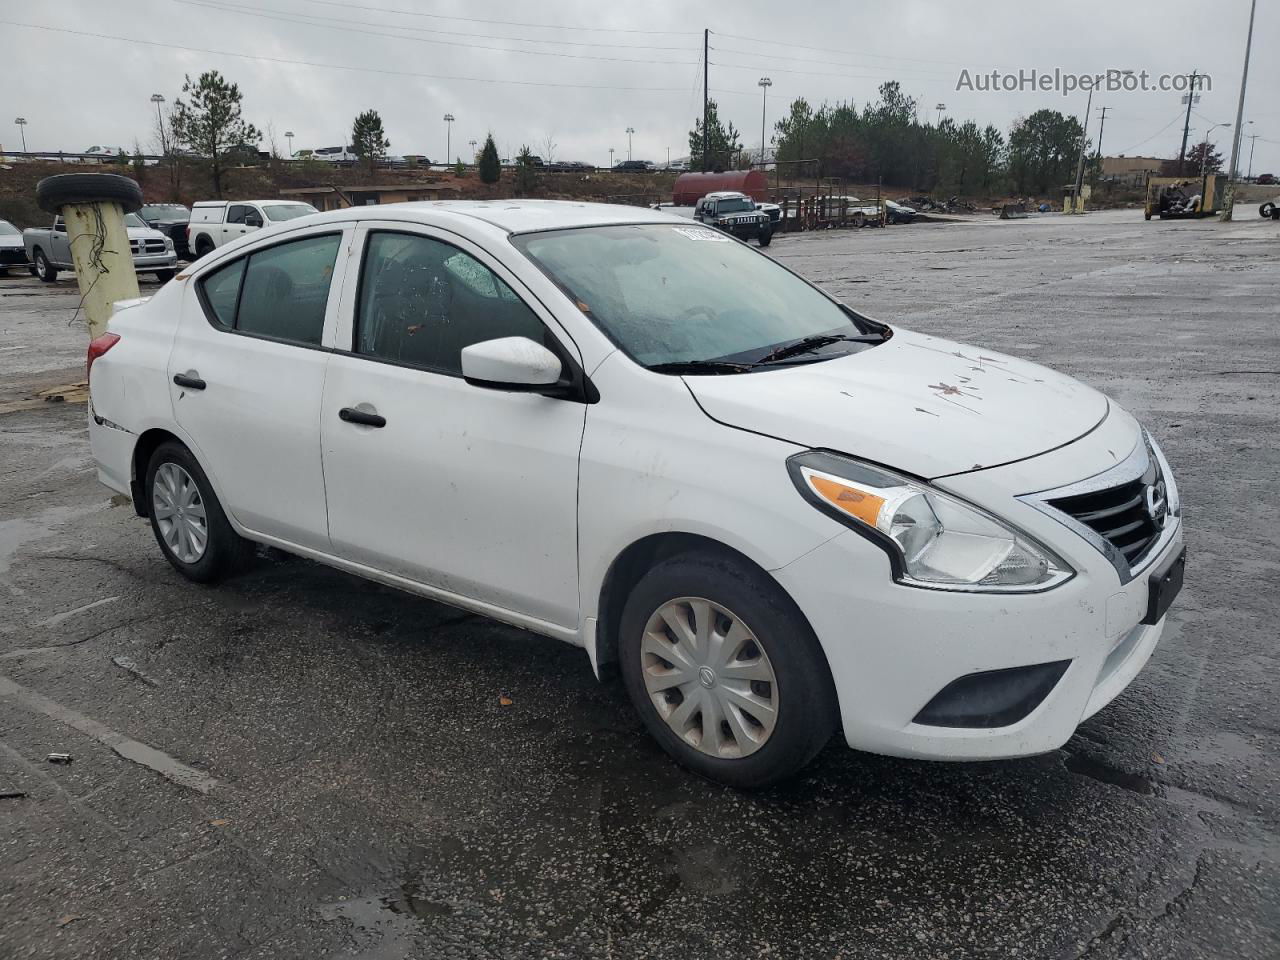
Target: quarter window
279	293
422	301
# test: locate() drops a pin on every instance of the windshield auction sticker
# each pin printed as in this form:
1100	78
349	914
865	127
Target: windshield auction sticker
699	233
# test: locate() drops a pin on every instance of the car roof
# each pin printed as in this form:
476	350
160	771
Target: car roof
511	216
722	194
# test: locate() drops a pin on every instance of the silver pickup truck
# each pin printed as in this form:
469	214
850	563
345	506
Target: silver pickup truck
50	250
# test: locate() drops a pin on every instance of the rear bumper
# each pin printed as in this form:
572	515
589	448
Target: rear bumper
13	257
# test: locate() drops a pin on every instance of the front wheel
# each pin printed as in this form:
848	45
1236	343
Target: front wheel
188	521
164	276
724	670
43	268
1268	209
766	237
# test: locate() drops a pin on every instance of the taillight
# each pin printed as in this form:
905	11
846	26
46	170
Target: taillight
97	347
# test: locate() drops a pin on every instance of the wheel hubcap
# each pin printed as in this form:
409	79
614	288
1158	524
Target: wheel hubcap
709	678
179	511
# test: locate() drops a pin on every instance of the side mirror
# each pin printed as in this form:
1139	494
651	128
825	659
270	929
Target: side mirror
252	220
511	363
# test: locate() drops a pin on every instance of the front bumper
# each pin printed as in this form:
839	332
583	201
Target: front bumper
893	648
143	263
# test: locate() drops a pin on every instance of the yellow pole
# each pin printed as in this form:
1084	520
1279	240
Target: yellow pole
103	261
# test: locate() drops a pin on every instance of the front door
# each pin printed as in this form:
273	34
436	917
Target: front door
467	489
247	374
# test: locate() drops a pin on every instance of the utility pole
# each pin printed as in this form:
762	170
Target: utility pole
22	128
1253	142
1084	143
1186	126
706	74
1244	79
1102	125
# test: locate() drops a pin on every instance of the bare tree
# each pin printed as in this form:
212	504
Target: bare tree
167	148
548	144
271	140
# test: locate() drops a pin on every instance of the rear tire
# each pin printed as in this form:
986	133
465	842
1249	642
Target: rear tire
188	521
1268	209
754	662
204	247
42	268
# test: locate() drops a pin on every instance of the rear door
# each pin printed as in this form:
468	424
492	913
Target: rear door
471	490
247	373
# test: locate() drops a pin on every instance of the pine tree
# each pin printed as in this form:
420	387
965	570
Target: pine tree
490	166
368	141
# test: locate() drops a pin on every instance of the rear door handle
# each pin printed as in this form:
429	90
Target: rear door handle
189	380
352	415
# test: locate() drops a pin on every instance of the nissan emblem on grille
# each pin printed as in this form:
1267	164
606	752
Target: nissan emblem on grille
1157	503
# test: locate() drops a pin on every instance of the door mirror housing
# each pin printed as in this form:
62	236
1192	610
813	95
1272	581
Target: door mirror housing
252	220
511	363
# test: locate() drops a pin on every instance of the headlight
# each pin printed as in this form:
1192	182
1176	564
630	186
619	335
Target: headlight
168	243
933	539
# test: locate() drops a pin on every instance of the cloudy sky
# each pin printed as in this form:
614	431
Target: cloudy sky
82	71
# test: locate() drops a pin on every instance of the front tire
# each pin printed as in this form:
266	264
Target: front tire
1268	209
164	276
188	521
43	268
724	670
766	237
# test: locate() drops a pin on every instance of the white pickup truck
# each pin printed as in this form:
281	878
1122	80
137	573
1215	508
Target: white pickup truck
215	222
49	250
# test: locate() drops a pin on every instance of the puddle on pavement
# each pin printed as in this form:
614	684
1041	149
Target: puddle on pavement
411	902
21	531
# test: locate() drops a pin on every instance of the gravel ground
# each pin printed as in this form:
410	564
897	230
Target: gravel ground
351	772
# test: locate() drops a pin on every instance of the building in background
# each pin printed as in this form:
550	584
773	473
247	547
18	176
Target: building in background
1125	171
336	198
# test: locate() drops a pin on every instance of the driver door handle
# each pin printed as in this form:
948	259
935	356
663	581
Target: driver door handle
363	417
190	381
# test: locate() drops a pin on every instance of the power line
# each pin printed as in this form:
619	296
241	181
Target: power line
340	66
1176	118
505	23
308	17
800	46
831	63
812	73
448	43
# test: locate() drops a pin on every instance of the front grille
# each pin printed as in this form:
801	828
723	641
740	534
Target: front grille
1120	515
147	246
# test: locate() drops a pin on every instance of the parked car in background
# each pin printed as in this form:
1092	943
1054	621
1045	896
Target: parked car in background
898	213
735	213
633	166
49	250
603	424
12	251
1266	179
97	154
334	155
771	210
215	222
170	219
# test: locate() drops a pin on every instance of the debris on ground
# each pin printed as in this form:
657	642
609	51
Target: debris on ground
129	664
59	758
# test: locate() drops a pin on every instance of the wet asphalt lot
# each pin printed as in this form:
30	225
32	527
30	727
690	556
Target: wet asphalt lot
346	771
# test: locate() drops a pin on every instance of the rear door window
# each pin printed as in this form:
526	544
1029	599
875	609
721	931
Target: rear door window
279	293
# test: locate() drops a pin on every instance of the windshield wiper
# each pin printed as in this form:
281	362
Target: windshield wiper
810	344
699	366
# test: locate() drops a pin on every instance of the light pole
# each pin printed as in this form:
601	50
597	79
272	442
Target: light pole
941	108
1204	150
448	133
472	144
630	131
764	83
1244	79
668	158
611	158
158	99
288	135
22	123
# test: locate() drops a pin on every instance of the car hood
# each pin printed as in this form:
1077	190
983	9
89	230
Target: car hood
926	406
144	233
7	240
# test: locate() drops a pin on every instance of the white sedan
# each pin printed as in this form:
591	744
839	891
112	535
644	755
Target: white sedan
617	428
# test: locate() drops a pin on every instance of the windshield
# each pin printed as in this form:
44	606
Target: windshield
287	211
167	211
671	294
735	205
133	220
7	229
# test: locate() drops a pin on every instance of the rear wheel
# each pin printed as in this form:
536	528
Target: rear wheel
724	670
189	523
43	268
1268	209
204	246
